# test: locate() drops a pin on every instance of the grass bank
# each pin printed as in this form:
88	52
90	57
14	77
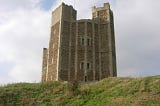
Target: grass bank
107	92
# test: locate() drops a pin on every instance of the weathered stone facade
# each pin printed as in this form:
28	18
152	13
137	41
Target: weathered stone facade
80	49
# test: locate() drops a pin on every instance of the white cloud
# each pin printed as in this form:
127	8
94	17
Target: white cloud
137	35
17	4
23	34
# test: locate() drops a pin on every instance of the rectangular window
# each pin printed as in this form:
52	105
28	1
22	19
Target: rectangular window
82	41
89	42
85	78
82	65
88	65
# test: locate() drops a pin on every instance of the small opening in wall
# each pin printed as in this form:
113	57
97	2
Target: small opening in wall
85	78
82	41
82	65
88	65
88	42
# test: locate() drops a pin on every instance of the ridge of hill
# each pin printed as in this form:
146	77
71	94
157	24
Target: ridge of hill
107	92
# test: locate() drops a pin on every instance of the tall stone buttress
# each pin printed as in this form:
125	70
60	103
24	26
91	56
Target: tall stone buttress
81	50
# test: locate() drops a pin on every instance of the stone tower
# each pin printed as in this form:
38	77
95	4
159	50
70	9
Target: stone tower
81	50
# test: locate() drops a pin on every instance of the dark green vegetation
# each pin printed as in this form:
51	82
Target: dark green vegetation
107	92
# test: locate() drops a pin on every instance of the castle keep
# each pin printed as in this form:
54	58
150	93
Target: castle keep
81	50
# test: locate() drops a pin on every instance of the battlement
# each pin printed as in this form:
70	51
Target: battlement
63	4
105	6
65	12
70	6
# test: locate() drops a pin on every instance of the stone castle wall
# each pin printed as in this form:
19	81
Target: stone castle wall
44	64
80	49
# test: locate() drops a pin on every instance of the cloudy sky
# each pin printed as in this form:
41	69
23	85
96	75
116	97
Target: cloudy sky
25	30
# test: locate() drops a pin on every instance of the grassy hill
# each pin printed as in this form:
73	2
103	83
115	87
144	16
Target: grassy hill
107	92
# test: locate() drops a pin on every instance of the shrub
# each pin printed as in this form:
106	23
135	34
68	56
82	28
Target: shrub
73	88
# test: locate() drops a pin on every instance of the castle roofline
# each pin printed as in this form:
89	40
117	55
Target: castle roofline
67	5
63	4
105	6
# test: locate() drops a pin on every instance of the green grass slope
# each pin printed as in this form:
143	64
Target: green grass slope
107	92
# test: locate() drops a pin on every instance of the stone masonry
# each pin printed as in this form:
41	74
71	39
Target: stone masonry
81	50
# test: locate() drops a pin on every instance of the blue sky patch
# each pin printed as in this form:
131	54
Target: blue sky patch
47	4
5	67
